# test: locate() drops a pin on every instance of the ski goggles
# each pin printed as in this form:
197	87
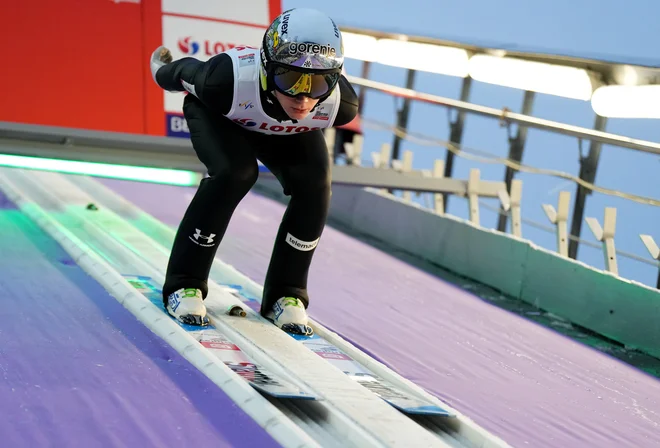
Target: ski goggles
293	83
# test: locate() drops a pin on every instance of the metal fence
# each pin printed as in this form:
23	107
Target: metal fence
602	73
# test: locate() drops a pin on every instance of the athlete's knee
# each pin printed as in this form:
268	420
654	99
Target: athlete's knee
243	176
240	179
316	183
235	179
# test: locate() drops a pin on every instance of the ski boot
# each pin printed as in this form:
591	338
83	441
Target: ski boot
290	315
187	306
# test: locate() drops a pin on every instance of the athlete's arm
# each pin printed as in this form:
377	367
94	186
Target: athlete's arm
348	106
211	81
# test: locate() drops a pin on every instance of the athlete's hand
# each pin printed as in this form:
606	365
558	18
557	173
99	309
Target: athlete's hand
161	56
164	55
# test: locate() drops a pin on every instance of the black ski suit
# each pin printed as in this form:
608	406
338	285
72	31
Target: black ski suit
300	162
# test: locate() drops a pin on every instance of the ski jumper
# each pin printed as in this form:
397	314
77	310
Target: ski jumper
233	123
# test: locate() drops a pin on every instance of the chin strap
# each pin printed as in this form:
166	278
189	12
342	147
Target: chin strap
275	109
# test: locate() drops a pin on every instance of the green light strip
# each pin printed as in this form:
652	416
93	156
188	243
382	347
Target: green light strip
137	173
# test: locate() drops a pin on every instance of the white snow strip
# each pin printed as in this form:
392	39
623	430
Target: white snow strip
466	427
365	419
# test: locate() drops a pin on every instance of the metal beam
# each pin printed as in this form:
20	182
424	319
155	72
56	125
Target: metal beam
516	148
588	167
414	181
402	115
456	132
366	69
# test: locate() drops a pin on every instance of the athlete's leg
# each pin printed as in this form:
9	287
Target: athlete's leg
302	164
226	150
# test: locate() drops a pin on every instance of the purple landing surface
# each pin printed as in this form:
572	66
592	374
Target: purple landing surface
521	381
77	369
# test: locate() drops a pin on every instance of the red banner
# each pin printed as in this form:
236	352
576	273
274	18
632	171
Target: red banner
85	64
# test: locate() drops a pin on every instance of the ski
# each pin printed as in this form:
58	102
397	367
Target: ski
229	353
257	376
400	399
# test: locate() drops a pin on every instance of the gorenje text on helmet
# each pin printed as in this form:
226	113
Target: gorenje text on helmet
325	50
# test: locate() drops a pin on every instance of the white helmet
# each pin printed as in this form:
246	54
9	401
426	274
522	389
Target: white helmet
302	53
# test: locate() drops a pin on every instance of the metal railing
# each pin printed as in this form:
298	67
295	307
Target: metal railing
506	115
601	73
510	202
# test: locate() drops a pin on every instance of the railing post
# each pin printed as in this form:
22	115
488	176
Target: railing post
654	250
354	150
606	236
588	167
510	202
381	159
456	132
366	68
404	166
402	115
559	217
438	199
516	148
516	198
473	195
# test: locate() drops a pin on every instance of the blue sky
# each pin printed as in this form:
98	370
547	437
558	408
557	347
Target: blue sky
589	28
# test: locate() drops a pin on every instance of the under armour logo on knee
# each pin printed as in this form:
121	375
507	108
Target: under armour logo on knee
198	235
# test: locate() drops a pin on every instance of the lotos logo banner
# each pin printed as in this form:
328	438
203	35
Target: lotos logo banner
245	122
187	45
274	127
178	127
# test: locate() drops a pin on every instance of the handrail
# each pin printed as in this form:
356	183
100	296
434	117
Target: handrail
506	115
